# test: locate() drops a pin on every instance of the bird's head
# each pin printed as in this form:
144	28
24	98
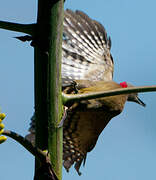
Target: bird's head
134	96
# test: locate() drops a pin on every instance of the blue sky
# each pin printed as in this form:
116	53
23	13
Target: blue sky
127	148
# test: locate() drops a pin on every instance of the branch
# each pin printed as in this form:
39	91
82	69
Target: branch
78	97
48	100
27	145
45	169
24	28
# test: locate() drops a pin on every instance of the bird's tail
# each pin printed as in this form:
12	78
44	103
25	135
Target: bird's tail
85	43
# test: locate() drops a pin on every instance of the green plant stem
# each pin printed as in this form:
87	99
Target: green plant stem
48	101
24	28
27	145
66	98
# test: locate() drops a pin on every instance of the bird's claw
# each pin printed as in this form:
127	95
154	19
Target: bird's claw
63	117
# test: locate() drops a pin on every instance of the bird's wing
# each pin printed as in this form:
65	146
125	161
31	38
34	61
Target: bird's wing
81	131
86	49
86	119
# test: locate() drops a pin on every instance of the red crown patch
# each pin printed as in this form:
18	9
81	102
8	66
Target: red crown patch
123	84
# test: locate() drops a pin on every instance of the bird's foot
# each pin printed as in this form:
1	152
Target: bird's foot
63	117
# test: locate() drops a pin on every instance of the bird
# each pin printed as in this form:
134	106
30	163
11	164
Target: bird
88	62
87	67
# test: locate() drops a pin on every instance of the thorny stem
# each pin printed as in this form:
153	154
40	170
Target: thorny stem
24	28
27	145
78	97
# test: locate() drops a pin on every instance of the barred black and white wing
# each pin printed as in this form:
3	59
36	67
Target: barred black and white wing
86	56
86	49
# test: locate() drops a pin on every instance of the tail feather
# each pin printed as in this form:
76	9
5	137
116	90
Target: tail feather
83	35
85	56
86	48
102	34
98	41
82	27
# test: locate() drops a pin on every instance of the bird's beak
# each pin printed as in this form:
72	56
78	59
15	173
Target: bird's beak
139	101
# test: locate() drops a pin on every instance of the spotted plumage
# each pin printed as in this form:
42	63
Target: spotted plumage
87	66
86	49
88	62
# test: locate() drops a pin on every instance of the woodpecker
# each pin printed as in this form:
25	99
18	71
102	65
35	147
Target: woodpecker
88	62
87	66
